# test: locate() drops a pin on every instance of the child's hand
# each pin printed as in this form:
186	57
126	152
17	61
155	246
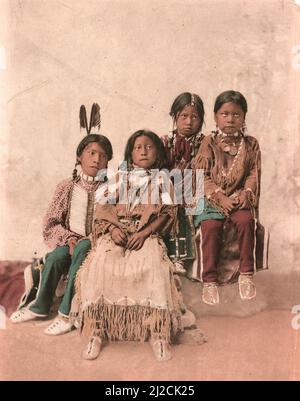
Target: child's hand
118	237
228	204
136	241
72	243
244	201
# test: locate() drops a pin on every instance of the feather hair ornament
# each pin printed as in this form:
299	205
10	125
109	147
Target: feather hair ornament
83	119
95	118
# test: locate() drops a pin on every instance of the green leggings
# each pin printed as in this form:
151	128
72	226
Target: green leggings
59	262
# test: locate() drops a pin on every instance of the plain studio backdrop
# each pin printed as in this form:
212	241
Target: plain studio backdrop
133	58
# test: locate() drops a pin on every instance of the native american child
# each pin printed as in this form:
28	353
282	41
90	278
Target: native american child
182	145
66	228
231	162
125	289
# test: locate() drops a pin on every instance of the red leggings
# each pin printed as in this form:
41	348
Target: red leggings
211	241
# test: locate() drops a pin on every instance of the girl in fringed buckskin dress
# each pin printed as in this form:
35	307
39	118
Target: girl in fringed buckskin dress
182	145
231	162
125	288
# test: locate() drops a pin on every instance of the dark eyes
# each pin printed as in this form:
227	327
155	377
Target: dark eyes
235	115
138	147
102	155
194	116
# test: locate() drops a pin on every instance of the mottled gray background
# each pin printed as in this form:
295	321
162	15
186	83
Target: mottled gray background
134	57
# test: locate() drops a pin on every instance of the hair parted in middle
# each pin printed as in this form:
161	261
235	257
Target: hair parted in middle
161	156
185	99
231	96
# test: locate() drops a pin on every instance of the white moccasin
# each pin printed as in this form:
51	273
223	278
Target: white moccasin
22	315
59	326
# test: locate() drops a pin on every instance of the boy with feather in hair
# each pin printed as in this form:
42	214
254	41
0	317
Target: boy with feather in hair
66	228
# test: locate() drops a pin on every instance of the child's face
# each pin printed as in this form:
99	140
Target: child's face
230	118
188	121
144	152
93	159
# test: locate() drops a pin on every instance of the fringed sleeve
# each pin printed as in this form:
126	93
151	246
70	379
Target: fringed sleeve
204	160
149	213
252	179
105	217
169	208
100	227
165	207
55	225
170	224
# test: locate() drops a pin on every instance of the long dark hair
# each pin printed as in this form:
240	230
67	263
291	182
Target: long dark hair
185	99
231	97
101	140
161	157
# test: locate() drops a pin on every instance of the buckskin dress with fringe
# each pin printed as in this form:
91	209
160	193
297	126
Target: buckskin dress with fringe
125	294
244	174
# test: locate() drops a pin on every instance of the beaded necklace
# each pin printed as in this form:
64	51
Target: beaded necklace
224	174
230	143
90	183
